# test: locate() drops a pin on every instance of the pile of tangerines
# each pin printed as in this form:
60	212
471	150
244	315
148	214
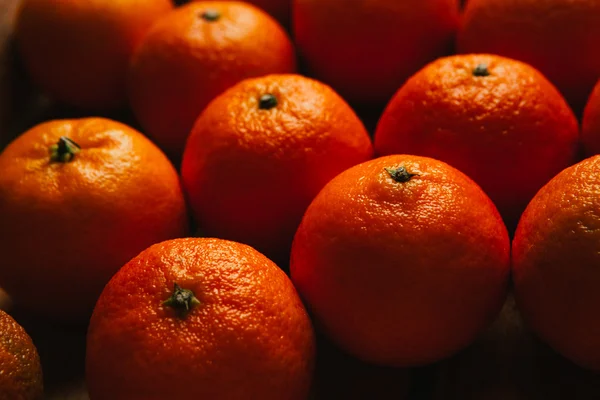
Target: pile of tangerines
252	202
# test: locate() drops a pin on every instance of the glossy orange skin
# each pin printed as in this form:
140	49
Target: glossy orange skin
590	126
555	259
511	131
78	50
21	377
558	37
366	49
249	173
278	9
250	337
186	61
401	274
68	227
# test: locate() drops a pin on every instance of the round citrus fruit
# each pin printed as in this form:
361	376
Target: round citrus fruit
203	319
555	258
21	377
78	199
497	120
78	50
366	49
558	37
590	129
192	55
261	151
403	260
278	9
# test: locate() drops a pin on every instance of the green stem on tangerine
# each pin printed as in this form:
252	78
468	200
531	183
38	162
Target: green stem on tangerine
64	150
182	301
400	174
211	15
267	101
481	70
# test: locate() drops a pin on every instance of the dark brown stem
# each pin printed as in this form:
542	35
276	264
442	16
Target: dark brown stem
400	174
210	15
64	151
182	301
267	101
481	70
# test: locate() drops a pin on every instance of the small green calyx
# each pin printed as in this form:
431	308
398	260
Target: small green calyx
267	101
400	174
210	15
481	70
182	301
64	151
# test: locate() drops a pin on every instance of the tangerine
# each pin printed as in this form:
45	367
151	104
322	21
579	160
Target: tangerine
204	319
403	260
78	199
554	262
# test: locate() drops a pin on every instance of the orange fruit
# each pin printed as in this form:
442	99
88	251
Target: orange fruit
555	258
204	319
558	37
261	151
193	54
278	9
403	260
366	49
78	50
78	199
590	126
21	377
497	120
